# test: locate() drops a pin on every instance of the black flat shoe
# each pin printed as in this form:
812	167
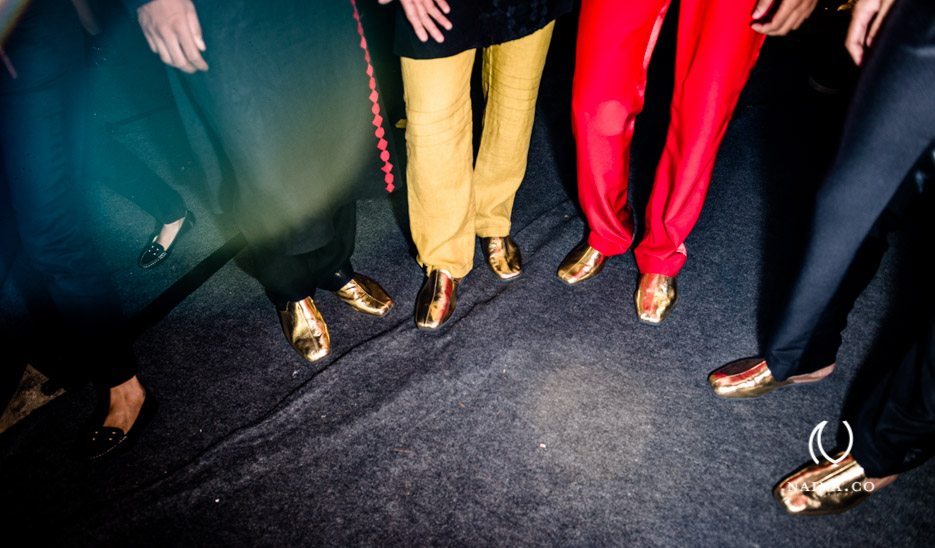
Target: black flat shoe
154	253
105	440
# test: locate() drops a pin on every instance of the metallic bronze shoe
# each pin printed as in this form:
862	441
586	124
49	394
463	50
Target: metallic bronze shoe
582	263
751	377
655	297
826	488
364	294
436	300
503	257
305	329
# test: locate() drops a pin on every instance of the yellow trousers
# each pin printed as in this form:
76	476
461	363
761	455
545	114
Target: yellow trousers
452	199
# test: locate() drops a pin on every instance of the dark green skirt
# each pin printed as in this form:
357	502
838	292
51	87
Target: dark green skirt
289	106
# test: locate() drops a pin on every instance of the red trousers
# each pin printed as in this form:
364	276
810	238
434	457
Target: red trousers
716	50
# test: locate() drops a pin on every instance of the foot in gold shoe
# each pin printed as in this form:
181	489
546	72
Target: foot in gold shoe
503	257
655	297
305	329
751	377
582	263
436	300
364	294
826	488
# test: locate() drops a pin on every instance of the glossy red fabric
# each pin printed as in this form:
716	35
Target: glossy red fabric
716	50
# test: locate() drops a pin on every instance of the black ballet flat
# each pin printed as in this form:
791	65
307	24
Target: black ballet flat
104	440
154	253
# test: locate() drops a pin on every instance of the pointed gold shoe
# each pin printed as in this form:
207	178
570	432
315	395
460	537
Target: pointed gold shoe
305	329
503	257
655	297
364	294
582	263
826	488
436	300
751	377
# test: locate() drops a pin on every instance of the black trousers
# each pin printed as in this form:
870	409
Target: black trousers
133	179
42	115
120	48
896	422
294	277
890	124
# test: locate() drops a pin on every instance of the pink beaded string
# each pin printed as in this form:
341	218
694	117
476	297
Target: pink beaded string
380	132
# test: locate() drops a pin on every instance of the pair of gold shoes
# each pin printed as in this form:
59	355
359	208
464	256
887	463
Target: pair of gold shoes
305	328
656	294
438	297
813	489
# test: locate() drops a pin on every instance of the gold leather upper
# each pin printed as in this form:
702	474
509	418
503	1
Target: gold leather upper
582	263
746	378
365	295
305	329
436	300
655	297
826	488
503	257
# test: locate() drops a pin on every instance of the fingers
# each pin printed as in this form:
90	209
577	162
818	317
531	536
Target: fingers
427	23
878	21
779	19
191	42
412	15
423	16
437	10
443	5
149	40
762	7
194	26
172	30
179	59
163	51
857	31
790	16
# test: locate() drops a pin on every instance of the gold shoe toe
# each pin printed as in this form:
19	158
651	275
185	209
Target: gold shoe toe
655	297
436	300
305	329
751	377
503	257
746	378
364	294
826	488
582	263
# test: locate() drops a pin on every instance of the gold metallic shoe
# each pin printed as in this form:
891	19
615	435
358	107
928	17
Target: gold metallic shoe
305	329
365	295
503	257
655	297
582	263
436	300
751	377
826	488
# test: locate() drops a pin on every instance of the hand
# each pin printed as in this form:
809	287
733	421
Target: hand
423	14
866	19
790	16
172	29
